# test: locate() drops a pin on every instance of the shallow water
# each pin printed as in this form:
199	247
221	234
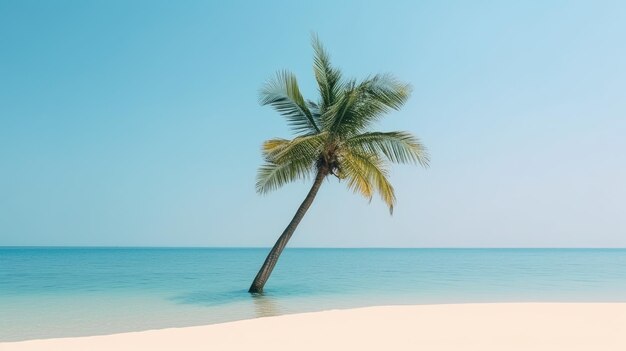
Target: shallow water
56	292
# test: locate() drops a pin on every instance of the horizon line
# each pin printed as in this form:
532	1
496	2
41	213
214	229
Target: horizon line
305	247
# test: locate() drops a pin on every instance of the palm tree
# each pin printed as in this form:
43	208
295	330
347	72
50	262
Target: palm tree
333	139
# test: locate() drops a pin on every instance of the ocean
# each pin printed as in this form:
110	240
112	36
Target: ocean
62	292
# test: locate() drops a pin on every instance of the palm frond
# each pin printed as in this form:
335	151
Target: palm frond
372	98
272	176
316	112
328	78
342	106
306	147
273	146
352	171
288	160
398	147
284	95
367	173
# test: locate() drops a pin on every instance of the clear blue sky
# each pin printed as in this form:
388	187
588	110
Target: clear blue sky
137	122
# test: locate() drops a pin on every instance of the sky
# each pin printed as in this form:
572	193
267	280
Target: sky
137	123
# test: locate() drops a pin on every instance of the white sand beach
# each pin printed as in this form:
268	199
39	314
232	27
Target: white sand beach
484	327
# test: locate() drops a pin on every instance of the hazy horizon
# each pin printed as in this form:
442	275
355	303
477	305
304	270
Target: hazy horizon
314	247
138	124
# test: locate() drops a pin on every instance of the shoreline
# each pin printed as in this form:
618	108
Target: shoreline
446	327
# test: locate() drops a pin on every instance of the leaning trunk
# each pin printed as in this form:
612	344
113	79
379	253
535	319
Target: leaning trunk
272	257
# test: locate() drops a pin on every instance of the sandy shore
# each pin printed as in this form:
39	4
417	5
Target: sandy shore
484	327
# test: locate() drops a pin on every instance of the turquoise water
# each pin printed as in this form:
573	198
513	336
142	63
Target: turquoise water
56	292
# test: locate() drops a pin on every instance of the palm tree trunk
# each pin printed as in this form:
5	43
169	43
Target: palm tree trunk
265	271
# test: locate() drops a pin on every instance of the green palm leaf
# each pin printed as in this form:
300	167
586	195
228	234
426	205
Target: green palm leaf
398	147
328	78
284	95
366	102
272	176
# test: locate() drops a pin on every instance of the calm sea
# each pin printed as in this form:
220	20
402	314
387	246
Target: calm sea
58	292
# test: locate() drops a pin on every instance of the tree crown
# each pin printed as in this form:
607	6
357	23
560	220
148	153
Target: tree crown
333	133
